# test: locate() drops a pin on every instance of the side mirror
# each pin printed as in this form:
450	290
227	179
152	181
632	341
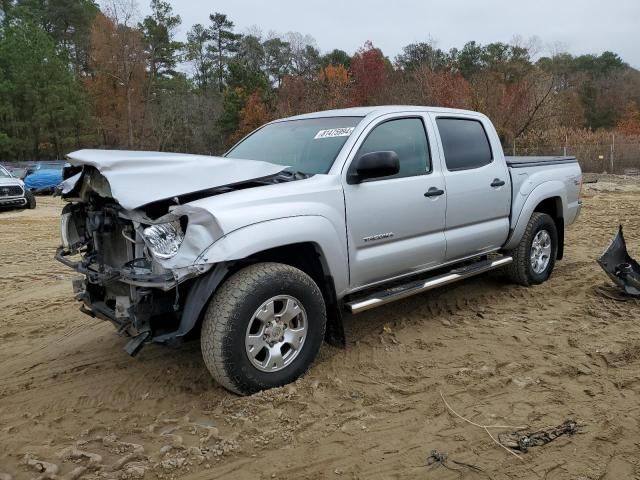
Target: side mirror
375	165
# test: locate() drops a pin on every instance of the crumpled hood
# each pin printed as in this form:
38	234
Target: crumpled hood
138	178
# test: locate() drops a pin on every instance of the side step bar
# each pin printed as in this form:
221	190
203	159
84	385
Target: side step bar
402	291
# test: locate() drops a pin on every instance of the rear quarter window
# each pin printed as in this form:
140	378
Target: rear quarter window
465	143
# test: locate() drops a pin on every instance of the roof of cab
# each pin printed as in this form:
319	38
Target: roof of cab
377	110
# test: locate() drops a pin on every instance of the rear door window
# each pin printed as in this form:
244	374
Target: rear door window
465	143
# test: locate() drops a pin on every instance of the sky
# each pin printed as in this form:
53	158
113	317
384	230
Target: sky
575	26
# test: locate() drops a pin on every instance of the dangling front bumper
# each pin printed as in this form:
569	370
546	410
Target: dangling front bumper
621	268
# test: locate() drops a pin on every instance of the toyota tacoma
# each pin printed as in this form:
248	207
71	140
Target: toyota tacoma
261	250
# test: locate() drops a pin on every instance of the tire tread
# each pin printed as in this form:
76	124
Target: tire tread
219	317
517	271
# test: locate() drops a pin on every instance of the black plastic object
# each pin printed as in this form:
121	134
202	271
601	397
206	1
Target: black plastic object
621	268
434	192
134	345
376	165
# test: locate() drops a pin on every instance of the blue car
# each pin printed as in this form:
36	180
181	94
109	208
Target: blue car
45	177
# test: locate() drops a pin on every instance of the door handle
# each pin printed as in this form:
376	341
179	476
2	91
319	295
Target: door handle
434	192
497	182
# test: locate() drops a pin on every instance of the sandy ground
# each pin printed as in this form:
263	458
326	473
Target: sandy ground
74	405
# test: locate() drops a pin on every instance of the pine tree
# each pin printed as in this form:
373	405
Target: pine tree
224	43
159	32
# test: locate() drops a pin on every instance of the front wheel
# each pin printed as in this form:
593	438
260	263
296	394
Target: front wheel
535	255
263	328
31	199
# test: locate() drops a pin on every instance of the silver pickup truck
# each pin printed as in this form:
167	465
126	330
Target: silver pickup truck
261	251
13	194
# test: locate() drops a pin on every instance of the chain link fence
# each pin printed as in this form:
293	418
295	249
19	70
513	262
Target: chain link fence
619	155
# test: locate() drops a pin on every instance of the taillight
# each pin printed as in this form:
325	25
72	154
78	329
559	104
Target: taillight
580	188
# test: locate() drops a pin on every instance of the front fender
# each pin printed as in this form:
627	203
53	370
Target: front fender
257	237
549	189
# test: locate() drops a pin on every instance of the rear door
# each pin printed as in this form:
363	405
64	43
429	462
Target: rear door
392	227
477	184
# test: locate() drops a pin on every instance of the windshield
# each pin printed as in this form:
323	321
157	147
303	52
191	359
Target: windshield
4	173
308	146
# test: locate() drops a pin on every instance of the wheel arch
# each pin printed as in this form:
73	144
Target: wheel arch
549	198
284	241
309	258
313	230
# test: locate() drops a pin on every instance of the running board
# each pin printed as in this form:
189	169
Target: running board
412	288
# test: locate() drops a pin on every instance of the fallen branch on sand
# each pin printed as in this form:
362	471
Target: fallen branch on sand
524	441
485	428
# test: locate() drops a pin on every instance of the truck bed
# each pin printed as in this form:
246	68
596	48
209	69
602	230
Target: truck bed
532	161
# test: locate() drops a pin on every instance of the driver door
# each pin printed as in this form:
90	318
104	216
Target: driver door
395	224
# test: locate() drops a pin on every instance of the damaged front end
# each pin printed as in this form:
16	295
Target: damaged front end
132	231
621	268
137	268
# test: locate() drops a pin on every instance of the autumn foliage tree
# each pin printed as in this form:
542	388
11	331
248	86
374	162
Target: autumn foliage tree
253	115
336	85
441	88
335	75
118	83
369	73
294	97
629	124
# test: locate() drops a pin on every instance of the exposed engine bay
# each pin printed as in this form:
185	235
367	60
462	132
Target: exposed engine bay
118	257
117	270
138	265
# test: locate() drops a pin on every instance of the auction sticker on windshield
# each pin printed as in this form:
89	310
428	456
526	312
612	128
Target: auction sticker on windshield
334	132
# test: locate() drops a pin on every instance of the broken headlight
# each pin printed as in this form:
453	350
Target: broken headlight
164	239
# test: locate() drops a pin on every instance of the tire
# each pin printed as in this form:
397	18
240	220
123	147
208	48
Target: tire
521	271
31	200
233	314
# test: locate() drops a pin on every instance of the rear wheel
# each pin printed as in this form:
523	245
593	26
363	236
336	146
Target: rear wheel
263	328
535	255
